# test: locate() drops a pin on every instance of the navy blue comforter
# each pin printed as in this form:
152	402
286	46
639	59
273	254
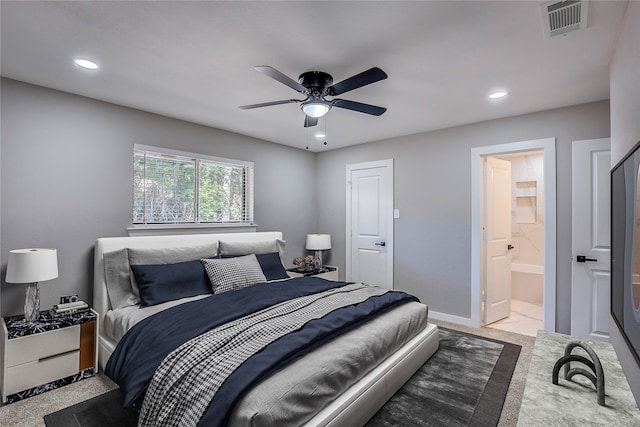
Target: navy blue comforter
143	348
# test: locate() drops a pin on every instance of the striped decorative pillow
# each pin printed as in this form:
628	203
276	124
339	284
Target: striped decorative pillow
229	274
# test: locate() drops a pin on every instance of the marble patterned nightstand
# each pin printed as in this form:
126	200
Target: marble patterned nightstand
329	273
50	353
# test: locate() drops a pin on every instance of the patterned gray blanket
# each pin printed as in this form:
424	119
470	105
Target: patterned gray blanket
189	377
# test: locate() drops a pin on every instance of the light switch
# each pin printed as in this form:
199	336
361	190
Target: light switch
396	213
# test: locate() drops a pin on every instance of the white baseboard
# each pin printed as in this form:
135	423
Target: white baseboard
463	321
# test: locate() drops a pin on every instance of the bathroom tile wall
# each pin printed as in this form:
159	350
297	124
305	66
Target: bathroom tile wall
527	225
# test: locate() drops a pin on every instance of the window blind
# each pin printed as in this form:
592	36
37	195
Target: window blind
173	187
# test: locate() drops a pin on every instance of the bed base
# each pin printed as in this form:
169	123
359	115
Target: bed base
352	408
363	399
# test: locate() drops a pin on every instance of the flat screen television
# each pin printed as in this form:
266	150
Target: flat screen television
625	248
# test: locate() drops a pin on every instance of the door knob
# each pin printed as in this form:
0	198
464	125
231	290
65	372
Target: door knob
509	247
582	258
380	243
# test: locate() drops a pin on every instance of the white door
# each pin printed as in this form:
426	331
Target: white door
370	223
591	242
497	240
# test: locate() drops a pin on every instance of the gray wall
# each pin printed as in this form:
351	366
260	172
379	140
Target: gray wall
66	177
66	180
433	193
625	133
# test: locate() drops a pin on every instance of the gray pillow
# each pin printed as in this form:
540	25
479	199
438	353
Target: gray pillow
154	256
121	286
117	271
229	274
231	248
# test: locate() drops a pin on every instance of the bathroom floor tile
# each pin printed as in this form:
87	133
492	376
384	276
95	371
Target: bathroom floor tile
525	319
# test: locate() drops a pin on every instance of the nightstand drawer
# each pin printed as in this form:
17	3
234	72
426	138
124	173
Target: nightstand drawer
32	348
43	371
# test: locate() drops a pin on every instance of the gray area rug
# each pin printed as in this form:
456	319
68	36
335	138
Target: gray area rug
101	411
463	384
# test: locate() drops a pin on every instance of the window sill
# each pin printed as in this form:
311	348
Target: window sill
165	229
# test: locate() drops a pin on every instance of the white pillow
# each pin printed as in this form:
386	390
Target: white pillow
231	248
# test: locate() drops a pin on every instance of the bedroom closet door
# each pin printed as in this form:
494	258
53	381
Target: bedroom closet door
369	252
591	239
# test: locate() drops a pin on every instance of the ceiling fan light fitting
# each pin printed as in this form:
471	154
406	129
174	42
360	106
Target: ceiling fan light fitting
315	109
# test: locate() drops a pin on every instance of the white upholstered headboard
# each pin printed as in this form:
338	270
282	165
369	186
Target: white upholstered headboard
101	302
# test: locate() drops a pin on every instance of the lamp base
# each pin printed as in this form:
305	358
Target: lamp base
32	303
317	262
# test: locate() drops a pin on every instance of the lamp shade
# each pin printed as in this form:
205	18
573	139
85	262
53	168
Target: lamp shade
315	109
318	242
32	265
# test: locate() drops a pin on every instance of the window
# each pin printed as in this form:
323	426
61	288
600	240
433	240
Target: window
173	187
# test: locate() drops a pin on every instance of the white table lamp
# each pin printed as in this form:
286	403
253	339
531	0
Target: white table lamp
32	266
318	243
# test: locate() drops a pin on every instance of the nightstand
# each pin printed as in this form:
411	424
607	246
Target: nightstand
330	273
50	353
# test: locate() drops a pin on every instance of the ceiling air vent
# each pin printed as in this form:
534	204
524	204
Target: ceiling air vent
562	17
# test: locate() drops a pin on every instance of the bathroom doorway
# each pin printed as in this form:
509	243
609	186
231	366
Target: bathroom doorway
531	243
525	244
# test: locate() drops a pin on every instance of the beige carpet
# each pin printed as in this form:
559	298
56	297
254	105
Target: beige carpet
30	412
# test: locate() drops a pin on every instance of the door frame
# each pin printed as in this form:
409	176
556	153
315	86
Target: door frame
388	163
548	148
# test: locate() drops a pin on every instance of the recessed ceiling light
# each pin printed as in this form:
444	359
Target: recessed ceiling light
320	135
85	63
498	94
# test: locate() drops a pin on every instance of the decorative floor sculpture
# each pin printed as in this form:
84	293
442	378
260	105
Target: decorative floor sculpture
572	403
597	374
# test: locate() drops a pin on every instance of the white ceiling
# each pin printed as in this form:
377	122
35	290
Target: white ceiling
194	60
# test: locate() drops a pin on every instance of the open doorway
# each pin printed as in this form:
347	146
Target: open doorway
529	269
521	212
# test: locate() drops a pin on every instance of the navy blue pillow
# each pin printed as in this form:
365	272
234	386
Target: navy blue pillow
271	265
167	282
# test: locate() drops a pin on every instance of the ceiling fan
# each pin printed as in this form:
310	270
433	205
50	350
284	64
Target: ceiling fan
316	85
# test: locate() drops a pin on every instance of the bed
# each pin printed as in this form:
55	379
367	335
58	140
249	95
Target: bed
402	338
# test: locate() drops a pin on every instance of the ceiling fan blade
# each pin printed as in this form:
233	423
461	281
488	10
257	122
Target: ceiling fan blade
310	121
358	106
282	78
372	75
267	104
